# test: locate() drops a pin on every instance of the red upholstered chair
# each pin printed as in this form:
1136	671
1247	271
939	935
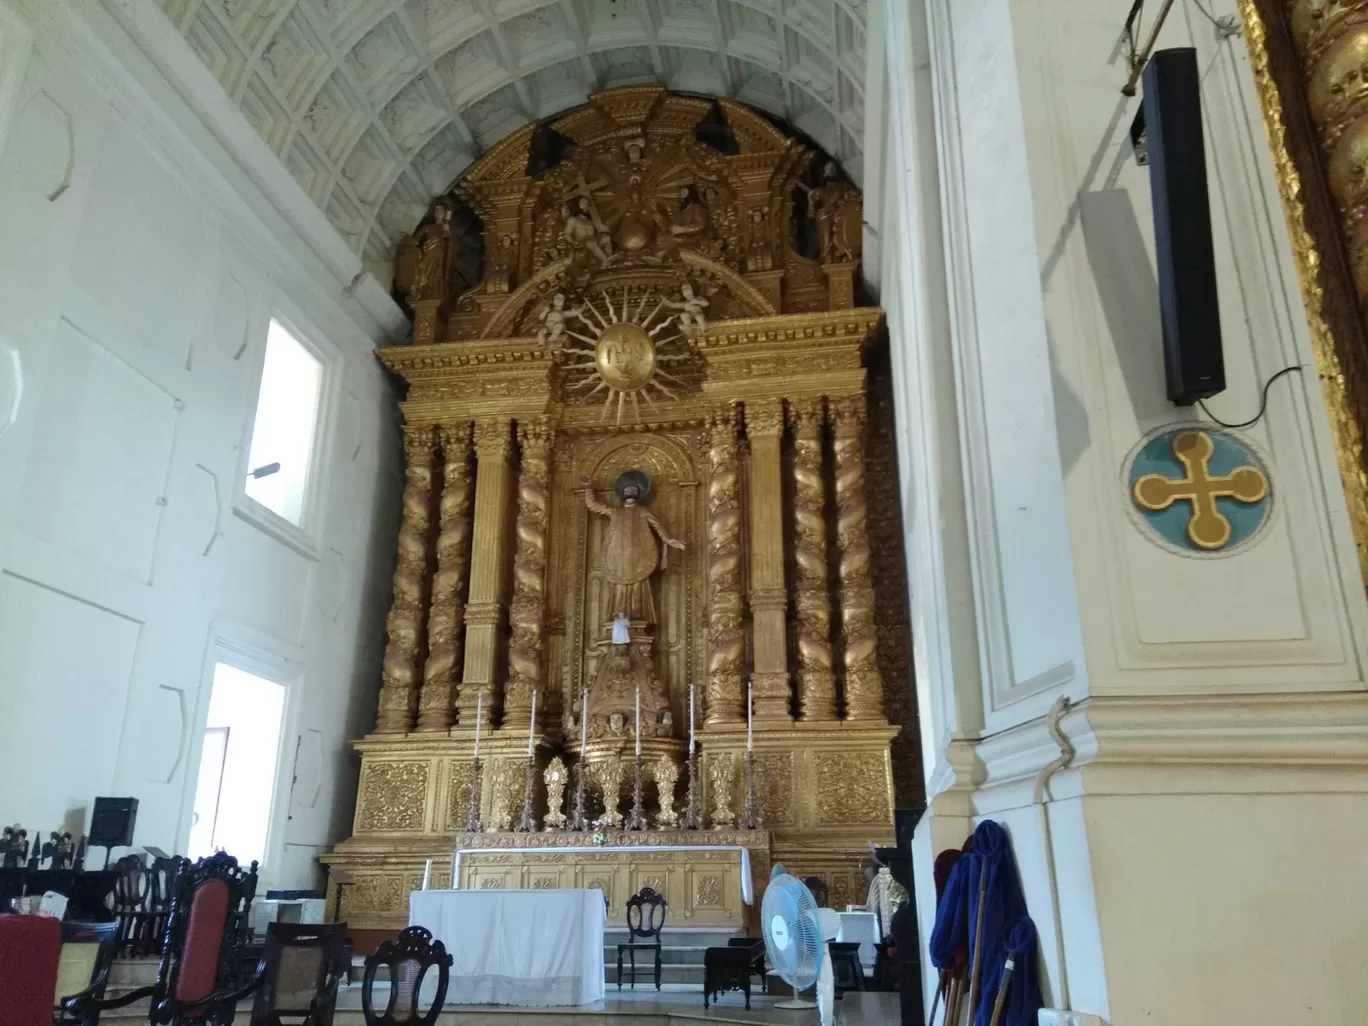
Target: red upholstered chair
197	980
30	952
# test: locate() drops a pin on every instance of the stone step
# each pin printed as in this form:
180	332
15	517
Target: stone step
132	972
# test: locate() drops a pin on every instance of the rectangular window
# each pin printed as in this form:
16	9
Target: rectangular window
283	430
238	762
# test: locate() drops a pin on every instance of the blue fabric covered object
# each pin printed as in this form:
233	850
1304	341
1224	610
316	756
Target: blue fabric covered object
1007	928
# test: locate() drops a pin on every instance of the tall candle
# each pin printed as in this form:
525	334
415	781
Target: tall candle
479	708
750	739
532	729
584	721
691	720
427	874
638	719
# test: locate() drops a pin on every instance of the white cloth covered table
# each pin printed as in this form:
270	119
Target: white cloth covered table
540	947
863	928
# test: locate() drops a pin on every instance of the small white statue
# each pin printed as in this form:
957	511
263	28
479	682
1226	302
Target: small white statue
690	309
553	319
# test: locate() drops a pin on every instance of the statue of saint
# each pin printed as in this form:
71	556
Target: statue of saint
424	259
630	552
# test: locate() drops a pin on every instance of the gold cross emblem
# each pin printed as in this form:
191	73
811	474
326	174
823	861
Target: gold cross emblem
1208	528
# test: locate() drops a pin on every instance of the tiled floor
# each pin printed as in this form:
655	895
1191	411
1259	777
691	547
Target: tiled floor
668	1007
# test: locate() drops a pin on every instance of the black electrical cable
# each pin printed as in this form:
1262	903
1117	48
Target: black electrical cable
1263	403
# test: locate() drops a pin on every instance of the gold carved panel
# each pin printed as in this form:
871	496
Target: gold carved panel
392	796
372	895
458	793
853	788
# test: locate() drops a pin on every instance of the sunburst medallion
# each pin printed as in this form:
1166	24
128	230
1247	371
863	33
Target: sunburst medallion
627	353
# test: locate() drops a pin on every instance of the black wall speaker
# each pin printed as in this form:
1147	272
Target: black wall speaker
111	824
1191	317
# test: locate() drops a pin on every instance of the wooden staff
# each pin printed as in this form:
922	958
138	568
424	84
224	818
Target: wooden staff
1002	994
940	989
978	937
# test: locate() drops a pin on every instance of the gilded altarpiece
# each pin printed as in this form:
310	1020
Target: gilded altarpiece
649	454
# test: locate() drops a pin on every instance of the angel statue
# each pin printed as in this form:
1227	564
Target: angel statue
690	308
553	319
630	552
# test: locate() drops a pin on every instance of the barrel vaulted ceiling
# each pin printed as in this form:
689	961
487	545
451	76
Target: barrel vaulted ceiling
375	106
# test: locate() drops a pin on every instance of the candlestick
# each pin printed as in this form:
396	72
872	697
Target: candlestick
472	823
638	720
693	820
577	819
584	721
427	874
532	729
479	708
751	819
750	703
637	820
691	719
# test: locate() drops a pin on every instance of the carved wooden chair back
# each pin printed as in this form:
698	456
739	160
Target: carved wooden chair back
646	912
198	976
819	891
304	965
406	959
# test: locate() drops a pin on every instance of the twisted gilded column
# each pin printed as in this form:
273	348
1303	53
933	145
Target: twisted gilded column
488	546
816	682
1325	76
527	612
436	703
768	595
726	693
863	686
1331	37
402	671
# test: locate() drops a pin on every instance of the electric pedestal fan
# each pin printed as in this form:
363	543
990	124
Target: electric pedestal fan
796	935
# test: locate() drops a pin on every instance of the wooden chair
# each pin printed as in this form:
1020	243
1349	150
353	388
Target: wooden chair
30	952
757	950
406	960
197	978
646	911
104	939
304	965
819	891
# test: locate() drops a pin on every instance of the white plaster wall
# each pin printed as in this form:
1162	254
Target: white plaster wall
133	309
1287	612
1221	728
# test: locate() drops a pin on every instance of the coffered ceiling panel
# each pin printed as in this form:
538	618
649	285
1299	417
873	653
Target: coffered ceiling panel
375	106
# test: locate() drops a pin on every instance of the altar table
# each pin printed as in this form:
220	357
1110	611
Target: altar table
514	947
707	885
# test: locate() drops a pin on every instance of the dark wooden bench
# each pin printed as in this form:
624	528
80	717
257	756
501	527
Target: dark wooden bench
757	947
730	968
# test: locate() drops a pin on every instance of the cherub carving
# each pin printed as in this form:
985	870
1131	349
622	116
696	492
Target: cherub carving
690	308
553	319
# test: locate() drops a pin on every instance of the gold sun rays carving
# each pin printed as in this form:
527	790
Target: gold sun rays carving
624	351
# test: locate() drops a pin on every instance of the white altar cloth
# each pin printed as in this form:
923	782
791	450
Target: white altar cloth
747	888
518	947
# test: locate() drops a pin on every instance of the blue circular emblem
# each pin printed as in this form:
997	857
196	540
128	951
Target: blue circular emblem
1202	491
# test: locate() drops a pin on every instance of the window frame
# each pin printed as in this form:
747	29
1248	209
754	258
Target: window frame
283	663
305	537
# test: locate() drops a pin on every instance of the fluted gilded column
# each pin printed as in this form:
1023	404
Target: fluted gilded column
768	596
436	704
488	548
816	682
863	686
402	670
527	613
726	645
